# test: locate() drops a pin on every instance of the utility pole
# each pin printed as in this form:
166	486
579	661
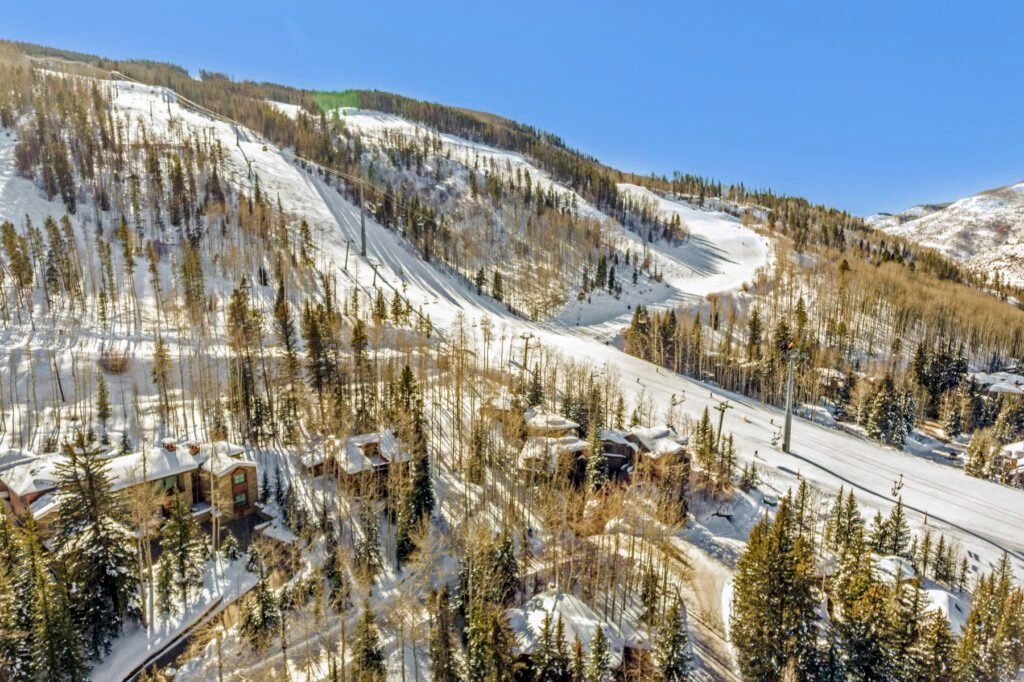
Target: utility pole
362	219
788	428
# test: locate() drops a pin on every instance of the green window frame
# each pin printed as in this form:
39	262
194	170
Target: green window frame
167	484
238	478
241	499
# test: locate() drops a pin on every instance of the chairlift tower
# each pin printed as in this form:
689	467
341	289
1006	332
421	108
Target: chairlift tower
787	429
362	220
721	407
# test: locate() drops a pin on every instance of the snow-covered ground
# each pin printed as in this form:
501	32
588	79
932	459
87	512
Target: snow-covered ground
222	584
983	517
289	110
720	255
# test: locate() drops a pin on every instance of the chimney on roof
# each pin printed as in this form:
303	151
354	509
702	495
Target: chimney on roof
170	445
193	448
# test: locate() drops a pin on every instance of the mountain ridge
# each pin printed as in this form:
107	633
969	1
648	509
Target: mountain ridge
983	231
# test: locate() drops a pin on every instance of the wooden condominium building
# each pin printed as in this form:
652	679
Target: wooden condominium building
226	479
198	472
359	458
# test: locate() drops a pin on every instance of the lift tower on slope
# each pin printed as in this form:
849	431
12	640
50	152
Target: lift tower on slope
787	429
362	220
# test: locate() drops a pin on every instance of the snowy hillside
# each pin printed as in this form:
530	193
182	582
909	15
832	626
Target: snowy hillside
984	231
376	126
720	254
304	341
827	457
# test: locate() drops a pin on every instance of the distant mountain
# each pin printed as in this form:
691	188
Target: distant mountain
985	231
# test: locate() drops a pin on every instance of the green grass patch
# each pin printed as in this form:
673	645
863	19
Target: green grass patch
327	101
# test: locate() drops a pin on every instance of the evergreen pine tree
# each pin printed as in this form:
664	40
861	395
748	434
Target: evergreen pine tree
98	549
421	489
650	594
952	415
597	465
261	615
543	657
578	666
253	558
264	493
367	653
165	586
229	547
535	389
560	663
49	646
672	649
897	531
368	554
774	623
497	289
599	664
183	546
102	406
444	666
504	569
931	657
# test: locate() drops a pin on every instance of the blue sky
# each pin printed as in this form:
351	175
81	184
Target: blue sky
867	106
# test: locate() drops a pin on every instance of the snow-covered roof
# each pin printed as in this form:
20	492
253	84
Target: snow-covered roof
503	402
539	419
617	437
830	373
204	451
659	440
34	475
43	506
1015	450
15	456
371	450
892	568
578	620
158	462
547	450
1006	387
951	606
223	457
1000	382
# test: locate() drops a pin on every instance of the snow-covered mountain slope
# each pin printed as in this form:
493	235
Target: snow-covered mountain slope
246	154
720	255
984	231
375	125
984	517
